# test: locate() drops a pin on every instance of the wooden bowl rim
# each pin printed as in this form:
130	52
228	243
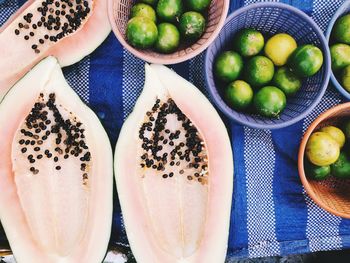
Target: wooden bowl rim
161	60
309	190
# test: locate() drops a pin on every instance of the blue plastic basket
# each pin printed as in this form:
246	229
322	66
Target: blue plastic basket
271	18
344	9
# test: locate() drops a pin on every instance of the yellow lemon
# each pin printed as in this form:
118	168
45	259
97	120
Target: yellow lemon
279	47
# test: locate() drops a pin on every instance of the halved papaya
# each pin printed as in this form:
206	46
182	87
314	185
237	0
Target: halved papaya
68	30
174	173
56	172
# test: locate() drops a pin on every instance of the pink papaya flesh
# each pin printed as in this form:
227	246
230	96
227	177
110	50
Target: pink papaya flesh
174	173
66	29
56	172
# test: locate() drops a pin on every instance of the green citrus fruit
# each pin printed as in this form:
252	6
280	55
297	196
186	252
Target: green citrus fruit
287	81
270	101
239	95
192	25
316	172
345	78
336	133
341	29
144	10
259	71
169	10
249	42
341	168
279	47
340	54
228	66
322	149
168	38
306	60
141	32
197	5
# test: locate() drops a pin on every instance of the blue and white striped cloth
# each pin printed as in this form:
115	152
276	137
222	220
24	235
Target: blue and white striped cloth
271	213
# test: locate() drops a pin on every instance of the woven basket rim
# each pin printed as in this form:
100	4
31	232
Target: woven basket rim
167	61
327	64
308	188
341	10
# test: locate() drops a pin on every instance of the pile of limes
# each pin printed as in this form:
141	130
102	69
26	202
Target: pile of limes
264	75
340	50
327	152
178	20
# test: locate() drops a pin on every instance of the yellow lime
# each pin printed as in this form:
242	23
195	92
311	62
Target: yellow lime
336	133
279	47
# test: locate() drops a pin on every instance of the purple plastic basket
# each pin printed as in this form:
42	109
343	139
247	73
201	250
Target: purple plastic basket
344	9
271	18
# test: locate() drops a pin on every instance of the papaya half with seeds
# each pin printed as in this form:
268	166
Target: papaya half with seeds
56	172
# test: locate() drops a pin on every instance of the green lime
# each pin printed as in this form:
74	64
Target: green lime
249	42
340	54
345	78
316	172
150	2
168	38
341	29
322	149
259	71
346	129
341	168
270	101
141	32
197	5
239	95
336	133
306	60
287	81
228	66
279	47
192	25
144	10
169	10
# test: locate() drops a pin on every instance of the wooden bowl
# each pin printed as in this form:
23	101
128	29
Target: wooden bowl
119	13
331	194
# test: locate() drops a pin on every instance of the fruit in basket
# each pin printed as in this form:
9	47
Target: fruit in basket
150	2
345	78
306	60
141	32
239	95
340	54
341	29
174	173
56	168
322	149
168	38
341	168
32	39
316	172
228	66
336	133
169	10
287	81
192	25
279	47
270	101
197	5
144	10
259	71
249	42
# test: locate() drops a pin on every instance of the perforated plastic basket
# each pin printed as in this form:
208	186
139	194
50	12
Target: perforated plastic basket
271	18
344	9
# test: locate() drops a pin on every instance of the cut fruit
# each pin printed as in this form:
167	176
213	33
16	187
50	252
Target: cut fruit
174	173
39	29
56	172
